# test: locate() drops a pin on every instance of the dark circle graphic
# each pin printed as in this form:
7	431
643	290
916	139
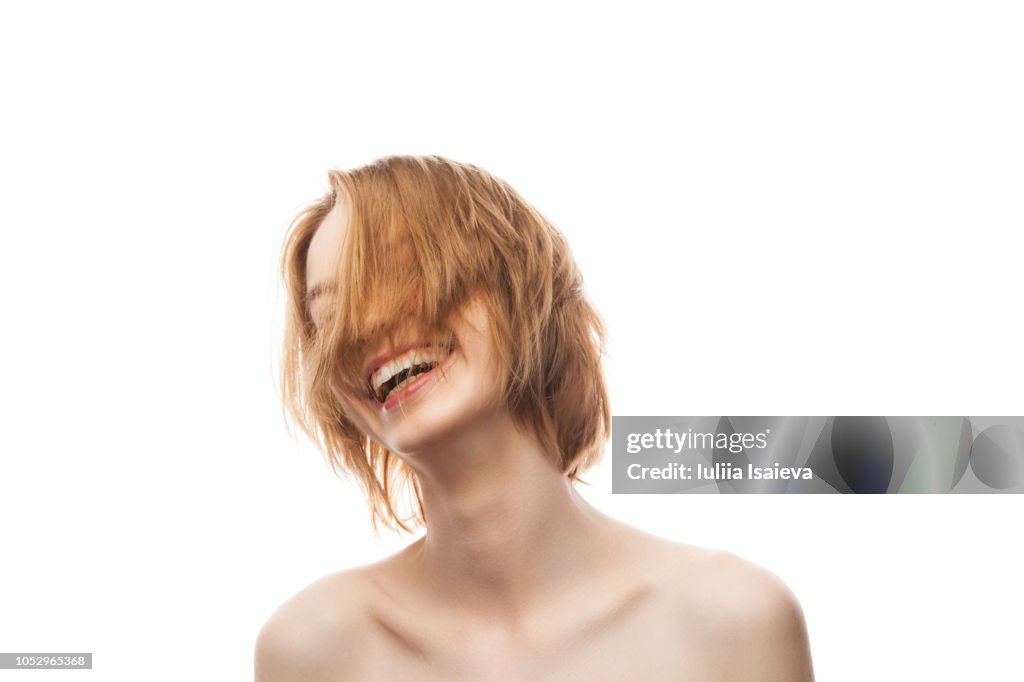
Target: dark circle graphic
863	453
997	457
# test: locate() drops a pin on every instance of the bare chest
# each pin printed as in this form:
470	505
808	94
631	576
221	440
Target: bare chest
634	641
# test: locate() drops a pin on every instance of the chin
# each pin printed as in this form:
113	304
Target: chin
427	425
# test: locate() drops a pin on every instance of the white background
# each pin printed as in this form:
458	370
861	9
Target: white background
779	208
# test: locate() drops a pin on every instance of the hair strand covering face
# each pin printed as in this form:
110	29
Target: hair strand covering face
424	233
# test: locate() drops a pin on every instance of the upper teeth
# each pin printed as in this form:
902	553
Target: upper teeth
404	361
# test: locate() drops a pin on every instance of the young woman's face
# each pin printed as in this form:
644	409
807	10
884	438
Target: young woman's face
413	410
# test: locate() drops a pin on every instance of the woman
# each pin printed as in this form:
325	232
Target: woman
439	344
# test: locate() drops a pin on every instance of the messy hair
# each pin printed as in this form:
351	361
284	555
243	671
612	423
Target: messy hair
424	233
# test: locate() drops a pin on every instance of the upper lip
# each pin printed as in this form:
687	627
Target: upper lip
385	358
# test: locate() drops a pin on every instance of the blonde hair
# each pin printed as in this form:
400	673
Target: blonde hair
423	234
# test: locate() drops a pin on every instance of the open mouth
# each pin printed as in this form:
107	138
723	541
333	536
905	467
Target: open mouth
396	376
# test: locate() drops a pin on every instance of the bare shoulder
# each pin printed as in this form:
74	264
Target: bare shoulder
316	633
747	617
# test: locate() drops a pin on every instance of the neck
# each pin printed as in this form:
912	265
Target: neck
504	525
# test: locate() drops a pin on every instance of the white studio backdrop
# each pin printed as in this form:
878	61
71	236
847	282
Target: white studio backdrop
779	208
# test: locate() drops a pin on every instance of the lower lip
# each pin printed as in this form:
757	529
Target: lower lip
417	385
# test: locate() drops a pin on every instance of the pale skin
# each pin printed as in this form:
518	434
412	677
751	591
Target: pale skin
517	576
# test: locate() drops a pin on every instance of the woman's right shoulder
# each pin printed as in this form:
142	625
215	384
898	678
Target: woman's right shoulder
316	632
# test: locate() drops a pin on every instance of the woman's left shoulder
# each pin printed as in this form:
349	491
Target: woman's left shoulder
724	583
742	614
744	610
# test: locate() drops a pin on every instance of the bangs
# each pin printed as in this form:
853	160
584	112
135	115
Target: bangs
396	278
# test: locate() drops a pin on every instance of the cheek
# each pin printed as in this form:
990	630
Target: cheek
482	376
479	373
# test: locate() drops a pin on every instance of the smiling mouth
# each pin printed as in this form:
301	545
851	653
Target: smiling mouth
389	380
